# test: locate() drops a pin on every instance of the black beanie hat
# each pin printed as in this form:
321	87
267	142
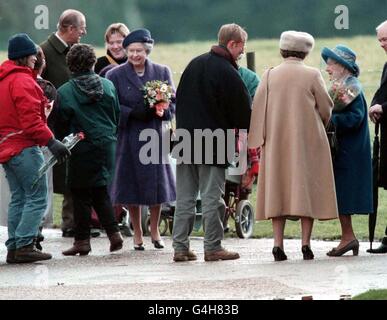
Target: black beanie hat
20	45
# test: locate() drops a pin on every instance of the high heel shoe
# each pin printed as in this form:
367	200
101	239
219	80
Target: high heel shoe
138	246
279	254
159	244
307	253
353	245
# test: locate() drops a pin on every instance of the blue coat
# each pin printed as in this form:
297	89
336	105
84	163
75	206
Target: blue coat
352	165
136	183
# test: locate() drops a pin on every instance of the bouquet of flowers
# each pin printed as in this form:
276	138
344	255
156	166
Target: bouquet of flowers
344	91
158	94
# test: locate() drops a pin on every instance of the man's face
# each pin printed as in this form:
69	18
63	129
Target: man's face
382	37
237	49
77	32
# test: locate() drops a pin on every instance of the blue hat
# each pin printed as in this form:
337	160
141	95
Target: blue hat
344	56
138	35
20	45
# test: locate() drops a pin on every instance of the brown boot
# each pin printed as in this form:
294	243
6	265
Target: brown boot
11	257
80	246
181	256
29	254
221	254
116	241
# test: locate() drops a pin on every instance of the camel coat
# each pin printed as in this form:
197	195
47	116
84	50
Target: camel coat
296	175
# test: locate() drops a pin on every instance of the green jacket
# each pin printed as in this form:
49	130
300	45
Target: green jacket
55	52
250	79
92	160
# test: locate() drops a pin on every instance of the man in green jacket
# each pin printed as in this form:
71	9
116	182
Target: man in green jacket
70	29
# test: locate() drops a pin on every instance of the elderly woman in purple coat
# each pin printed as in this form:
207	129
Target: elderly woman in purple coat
136	184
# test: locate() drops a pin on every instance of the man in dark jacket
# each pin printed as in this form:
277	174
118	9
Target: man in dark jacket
211	96
71	27
378	113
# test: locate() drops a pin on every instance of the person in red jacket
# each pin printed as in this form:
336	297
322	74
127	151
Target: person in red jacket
23	130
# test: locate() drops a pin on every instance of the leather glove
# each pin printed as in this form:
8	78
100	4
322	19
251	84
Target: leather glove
143	113
59	150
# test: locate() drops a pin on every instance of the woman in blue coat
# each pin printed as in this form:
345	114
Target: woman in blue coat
352	164
136	184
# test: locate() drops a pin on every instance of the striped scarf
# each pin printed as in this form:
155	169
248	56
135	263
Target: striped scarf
91	85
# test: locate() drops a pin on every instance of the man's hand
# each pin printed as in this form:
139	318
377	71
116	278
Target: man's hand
375	112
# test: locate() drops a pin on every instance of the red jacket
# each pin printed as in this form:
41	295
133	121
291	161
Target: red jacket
22	105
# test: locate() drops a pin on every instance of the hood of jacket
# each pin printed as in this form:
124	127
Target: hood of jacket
9	67
89	86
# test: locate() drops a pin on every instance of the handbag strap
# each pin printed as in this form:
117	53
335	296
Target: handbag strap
266	102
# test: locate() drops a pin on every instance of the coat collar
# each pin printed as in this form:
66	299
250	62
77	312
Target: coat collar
292	60
223	52
57	44
132	76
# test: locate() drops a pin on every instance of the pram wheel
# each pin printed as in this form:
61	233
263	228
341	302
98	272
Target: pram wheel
163	225
244	219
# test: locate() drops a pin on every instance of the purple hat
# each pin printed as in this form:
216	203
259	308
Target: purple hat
138	35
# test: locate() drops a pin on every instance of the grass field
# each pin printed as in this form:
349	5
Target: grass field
372	295
370	58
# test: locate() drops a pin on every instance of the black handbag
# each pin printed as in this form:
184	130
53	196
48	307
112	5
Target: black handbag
332	139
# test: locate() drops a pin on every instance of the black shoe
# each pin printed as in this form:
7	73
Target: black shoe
139	247
38	245
159	244
68	233
381	249
94	233
307	253
278	254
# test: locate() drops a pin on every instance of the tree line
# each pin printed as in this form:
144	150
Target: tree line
196	20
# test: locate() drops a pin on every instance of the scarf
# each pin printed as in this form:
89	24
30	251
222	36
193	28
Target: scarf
114	61
91	85
223	52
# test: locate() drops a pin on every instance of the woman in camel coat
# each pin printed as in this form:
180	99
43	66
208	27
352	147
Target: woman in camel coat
290	112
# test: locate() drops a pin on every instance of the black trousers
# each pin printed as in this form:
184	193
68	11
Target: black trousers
84	200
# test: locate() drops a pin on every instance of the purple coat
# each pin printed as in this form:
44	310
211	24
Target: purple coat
135	183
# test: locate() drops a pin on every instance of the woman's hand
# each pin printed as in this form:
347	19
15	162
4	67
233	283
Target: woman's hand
375	112
161	107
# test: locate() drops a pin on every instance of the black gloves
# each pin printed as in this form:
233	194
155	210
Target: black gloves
59	150
143	113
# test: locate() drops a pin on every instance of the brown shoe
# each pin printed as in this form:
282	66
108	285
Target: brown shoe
11	257
182	256
80	246
29	254
116	241
221	254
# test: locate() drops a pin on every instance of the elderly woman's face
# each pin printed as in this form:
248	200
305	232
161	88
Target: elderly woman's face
114	45
335	70
136	54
